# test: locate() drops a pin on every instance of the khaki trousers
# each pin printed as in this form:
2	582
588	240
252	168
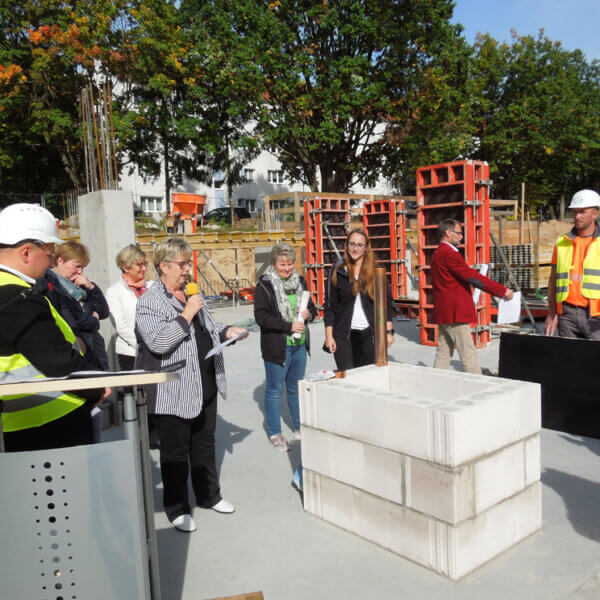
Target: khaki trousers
459	335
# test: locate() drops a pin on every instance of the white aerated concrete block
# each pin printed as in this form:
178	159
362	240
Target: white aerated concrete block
442	468
453	550
450	495
438	416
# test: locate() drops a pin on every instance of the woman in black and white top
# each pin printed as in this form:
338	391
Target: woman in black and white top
175	332
349	309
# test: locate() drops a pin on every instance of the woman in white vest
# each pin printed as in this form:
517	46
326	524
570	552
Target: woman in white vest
122	297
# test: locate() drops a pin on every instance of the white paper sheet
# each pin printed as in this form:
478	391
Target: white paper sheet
509	311
483	270
300	308
213	351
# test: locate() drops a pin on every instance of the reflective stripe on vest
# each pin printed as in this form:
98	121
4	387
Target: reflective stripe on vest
590	278
24	411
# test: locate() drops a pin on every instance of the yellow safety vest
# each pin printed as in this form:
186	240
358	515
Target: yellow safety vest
16	367
590	283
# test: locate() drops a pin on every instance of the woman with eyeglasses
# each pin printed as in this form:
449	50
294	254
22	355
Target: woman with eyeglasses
122	297
175	332
350	308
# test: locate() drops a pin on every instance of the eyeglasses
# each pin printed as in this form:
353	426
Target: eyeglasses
181	264
42	246
356	246
457	232
140	264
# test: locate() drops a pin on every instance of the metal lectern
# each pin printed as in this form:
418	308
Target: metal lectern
78	523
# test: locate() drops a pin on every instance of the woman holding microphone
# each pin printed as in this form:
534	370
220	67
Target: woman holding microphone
175	332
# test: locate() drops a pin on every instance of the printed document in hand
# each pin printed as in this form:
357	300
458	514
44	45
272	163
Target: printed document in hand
213	351
509	311
483	270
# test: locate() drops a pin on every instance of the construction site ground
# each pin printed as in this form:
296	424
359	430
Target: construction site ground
271	544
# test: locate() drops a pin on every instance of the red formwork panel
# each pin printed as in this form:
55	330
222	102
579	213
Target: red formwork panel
322	215
385	224
456	190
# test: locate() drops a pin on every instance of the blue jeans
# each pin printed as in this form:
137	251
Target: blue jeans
290	374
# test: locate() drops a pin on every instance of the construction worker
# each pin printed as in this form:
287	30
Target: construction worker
35	341
574	283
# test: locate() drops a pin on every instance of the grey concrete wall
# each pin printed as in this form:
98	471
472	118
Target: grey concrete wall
106	225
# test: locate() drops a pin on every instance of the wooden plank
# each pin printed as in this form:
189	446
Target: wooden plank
230	237
40	386
224	260
540	277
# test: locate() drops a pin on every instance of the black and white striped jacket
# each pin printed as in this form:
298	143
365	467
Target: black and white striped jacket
166	341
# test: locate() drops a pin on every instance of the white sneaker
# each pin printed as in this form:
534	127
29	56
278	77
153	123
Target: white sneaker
224	507
184	523
279	443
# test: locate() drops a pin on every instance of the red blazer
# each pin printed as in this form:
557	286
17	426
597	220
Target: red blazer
452	279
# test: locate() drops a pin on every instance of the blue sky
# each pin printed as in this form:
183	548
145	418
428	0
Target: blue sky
574	22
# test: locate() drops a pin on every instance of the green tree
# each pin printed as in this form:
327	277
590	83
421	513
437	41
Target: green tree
329	76
49	51
538	117
223	93
157	118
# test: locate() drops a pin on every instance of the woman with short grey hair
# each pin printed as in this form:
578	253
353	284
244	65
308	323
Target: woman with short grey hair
176	331
282	250
169	249
122	297
277	295
130	255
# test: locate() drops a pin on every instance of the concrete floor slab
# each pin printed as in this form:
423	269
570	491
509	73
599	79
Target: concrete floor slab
271	544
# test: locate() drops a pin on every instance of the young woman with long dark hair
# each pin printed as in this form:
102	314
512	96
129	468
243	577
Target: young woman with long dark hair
350	308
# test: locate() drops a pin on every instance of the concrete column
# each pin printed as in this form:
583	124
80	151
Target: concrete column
106	225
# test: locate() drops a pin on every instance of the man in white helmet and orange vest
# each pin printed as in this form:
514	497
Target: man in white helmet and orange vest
574	283
35	341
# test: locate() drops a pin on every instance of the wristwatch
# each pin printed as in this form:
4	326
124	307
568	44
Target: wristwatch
390	331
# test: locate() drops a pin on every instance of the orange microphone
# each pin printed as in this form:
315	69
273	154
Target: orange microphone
192	289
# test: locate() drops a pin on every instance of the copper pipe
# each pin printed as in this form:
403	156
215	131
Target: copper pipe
381	356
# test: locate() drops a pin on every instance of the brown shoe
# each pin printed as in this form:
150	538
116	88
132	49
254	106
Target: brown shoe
279	443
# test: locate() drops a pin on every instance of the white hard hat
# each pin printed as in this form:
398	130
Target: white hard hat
20	222
585	199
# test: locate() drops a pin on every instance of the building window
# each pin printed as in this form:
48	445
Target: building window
249	203
151	203
275	176
248	175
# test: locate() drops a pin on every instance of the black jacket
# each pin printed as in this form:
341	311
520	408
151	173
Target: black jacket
80	317
27	327
273	328
339	304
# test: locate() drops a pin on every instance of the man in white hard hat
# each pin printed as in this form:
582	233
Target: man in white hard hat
574	283
35	341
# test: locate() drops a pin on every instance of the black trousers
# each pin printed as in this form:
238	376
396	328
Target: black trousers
185	444
358	351
74	429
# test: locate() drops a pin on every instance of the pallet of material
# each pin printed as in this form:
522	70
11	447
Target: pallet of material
529	263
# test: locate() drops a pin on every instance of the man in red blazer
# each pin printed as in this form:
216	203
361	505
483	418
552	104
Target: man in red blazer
453	307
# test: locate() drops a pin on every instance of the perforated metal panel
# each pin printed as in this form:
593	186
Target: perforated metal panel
70	524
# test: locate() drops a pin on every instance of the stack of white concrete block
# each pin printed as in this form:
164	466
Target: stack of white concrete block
440	467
